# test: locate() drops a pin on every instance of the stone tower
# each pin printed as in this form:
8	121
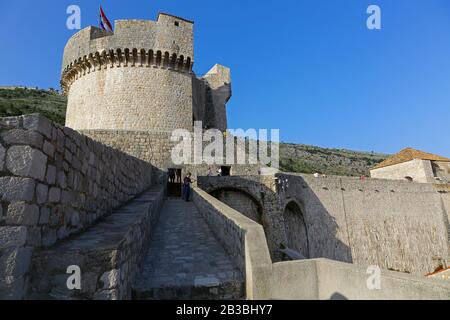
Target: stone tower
140	78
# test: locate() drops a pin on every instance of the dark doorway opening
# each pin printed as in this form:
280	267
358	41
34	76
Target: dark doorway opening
226	171
174	183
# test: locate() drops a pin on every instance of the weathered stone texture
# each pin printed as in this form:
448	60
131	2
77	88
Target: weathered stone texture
396	225
16	189
109	254
12	237
74	174
26	162
41	193
55	182
156	148
22	214
23	137
2	157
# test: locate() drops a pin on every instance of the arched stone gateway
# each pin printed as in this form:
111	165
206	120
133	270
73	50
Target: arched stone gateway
296	229
240	201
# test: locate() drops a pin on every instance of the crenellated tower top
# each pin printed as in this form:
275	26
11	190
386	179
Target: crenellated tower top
140	78
167	42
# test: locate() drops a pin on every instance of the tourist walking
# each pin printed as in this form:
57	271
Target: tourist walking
187	187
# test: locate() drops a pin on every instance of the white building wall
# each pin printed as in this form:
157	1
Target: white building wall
420	170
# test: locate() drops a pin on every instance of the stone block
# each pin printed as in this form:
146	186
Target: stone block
48	237
67	197
26	162
12	288
75	219
61	141
62	180
15	262
54	195
21	213
110	279
54	133
2	157
107	295
51	174
38	123
48	149
44	217
12	237
41	193
16	189
89	282
68	156
23	137
10	122
62	233
34	237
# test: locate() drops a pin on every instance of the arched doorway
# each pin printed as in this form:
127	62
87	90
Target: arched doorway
296	229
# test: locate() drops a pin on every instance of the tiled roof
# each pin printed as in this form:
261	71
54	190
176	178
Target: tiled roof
409	154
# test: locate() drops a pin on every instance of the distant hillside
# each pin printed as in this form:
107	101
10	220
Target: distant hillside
294	157
310	159
18	101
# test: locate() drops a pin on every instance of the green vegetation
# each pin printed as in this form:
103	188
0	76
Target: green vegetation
300	158
15	102
293	157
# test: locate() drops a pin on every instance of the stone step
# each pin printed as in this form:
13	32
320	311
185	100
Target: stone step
185	261
108	254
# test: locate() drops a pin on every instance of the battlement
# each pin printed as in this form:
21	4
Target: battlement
123	57
170	35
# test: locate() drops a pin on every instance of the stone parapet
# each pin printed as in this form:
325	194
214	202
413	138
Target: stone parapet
109	254
55	182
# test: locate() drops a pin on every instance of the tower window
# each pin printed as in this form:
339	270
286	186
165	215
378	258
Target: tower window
177	24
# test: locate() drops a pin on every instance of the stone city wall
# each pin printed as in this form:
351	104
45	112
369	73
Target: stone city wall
156	148
55	182
324	279
244	241
396	225
255	197
109	254
308	279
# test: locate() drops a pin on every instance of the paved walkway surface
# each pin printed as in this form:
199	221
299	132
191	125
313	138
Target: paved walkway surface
185	261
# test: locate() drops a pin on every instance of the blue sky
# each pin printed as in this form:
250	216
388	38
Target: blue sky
308	67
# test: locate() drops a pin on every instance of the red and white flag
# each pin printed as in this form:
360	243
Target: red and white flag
104	22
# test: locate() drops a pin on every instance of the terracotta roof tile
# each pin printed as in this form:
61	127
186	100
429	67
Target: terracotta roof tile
409	154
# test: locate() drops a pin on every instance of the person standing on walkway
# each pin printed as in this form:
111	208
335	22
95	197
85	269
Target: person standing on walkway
172	176
187	187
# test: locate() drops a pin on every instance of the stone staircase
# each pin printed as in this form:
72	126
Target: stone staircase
108	254
185	260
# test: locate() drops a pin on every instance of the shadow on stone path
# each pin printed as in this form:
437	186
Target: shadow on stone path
185	261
